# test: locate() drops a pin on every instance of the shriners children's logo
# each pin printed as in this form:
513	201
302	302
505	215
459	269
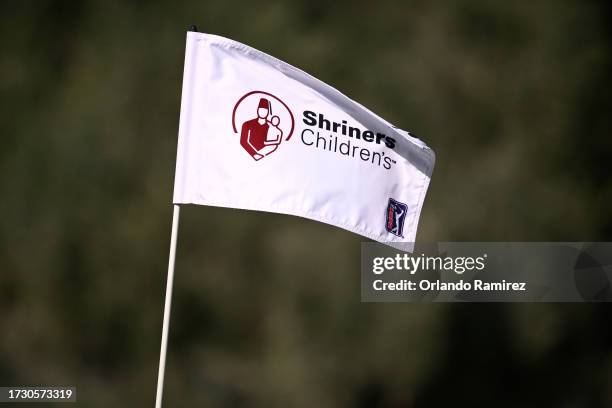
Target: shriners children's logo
263	121
395	217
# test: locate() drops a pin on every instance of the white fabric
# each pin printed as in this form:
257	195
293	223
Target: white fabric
293	176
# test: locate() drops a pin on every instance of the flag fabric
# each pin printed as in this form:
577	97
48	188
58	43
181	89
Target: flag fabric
256	133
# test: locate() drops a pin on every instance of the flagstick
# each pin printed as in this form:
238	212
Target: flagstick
170	280
168	302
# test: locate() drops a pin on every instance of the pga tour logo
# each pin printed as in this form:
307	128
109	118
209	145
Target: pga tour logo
395	217
263	121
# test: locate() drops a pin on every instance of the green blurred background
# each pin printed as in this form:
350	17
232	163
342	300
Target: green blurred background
514	97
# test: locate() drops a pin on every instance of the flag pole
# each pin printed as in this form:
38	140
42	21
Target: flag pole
168	300
167	306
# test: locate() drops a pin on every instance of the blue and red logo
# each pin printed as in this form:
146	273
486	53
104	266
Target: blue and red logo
395	217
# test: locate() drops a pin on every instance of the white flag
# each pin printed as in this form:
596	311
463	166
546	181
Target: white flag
259	134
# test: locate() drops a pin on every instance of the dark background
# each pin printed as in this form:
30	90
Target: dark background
514	98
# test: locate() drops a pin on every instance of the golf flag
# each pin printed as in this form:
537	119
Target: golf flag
256	133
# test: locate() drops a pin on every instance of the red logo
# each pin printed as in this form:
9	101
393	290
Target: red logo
264	120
